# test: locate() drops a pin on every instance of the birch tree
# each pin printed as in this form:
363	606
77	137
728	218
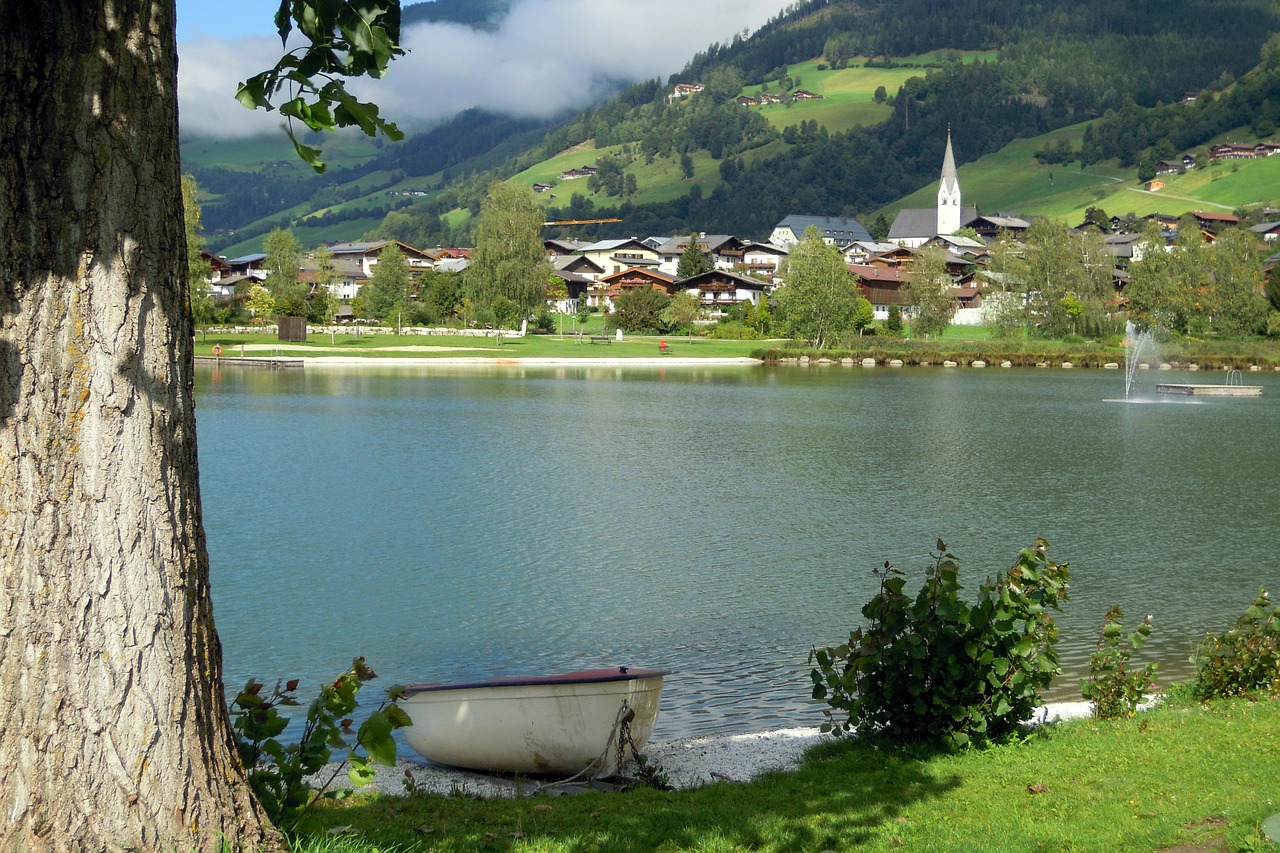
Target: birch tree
819	298
509	259
928	289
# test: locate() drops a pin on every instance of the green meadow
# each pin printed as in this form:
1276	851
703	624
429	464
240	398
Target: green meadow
848	94
1011	179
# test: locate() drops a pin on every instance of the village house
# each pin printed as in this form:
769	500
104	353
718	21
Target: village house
990	226
719	290
762	260
1268	231
579	266
1234	151
1126	247
835	230
1214	222
350	276
684	90
247	264
219	267
859	251
883	287
575	288
224	289
365	254
725	251
617	255
609	287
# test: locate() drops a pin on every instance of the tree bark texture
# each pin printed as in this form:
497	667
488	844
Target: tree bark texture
114	733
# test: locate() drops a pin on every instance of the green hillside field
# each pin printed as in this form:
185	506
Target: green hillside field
253	154
1012	180
848	94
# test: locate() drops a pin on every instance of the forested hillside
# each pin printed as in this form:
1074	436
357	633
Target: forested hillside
1057	63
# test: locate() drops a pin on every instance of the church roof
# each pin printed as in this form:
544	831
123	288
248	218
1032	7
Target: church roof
950	181
912	222
949	161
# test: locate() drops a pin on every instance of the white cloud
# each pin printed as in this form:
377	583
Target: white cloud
547	56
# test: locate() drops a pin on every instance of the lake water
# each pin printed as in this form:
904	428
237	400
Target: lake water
452	523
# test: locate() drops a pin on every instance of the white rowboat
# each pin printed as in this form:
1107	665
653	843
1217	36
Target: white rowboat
551	724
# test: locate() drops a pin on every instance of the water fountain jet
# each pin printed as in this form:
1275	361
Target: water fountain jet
1135	342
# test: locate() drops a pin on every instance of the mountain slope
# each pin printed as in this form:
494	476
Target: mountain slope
706	162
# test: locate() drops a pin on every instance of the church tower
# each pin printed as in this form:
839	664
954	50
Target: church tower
949	193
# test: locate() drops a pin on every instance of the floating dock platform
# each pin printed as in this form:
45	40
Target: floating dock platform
1210	390
275	362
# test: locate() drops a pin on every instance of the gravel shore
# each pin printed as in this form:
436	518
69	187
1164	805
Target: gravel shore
688	763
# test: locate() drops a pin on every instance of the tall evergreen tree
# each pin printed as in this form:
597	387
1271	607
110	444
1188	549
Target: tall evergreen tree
693	260
388	289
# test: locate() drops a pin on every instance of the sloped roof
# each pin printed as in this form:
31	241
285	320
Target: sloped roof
374	246
676	245
1013	223
744	281
867	272
912	222
611	245
837	228
638	271
871	247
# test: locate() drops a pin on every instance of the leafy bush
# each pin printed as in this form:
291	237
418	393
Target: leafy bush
278	773
1115	689
733	330
936	670
1244	659
639	310
544	323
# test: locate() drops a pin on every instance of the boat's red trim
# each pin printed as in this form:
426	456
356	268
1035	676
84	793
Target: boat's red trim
586	676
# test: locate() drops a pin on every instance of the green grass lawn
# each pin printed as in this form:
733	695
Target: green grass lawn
1202	776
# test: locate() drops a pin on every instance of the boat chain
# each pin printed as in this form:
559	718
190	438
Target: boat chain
619	739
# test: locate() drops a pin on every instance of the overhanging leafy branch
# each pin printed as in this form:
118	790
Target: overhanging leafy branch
346	39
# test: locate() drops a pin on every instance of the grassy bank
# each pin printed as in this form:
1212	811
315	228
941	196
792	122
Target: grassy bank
1198	776
962	345
384	346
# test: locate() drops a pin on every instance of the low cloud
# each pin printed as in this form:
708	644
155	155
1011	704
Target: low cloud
547	56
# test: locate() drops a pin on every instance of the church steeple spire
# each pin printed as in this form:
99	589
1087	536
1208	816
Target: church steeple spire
948	193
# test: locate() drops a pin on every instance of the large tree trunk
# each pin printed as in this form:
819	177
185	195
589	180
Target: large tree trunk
114	733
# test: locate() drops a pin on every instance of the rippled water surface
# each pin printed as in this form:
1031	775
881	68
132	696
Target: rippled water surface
459	523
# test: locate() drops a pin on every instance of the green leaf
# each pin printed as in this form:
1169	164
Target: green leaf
284	22
375	737
360	772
